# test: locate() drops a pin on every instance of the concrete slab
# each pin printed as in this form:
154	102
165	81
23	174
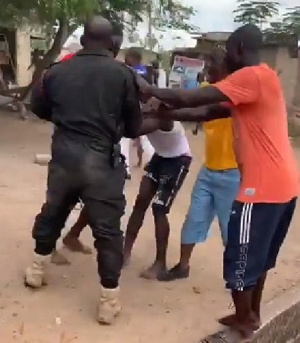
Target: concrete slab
281	323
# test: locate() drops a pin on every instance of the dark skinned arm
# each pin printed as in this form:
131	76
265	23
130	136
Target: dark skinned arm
197	114
152	124
181	98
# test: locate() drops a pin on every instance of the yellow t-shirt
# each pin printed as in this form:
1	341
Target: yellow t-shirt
219	153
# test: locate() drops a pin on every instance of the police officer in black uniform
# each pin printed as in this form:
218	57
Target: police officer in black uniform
93	101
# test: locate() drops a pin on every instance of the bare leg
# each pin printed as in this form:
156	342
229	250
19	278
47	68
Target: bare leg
185	255
59	259
162	231
182	269
257	297
243	321
135	222
140	152
71	240
255	306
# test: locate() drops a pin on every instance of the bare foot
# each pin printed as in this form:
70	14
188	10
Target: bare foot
245	330
59	259
154	271
75	245
230	321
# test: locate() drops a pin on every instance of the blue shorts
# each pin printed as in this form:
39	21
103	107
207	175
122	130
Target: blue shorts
255	235
213	194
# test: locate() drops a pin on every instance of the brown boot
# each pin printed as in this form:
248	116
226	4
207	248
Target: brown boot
109	306
35	275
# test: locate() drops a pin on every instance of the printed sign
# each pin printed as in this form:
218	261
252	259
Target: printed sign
184	72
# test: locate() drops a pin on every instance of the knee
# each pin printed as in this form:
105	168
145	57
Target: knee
159	210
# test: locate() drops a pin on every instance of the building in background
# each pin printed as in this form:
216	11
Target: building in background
280	57
18	48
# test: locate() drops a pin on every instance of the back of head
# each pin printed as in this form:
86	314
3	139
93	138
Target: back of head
243	47
100	33
133	57
216	68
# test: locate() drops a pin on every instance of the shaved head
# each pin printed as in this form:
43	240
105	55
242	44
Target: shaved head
243	47
99	32
98	28
249	37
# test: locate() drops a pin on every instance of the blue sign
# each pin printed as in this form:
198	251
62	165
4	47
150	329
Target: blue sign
141	69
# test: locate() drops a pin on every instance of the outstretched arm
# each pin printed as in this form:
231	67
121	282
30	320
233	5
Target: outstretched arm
240	88
152	124
184	98
197	114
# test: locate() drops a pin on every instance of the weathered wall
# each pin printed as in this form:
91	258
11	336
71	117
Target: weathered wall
288	68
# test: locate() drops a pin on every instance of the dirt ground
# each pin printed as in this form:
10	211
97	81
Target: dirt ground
64	312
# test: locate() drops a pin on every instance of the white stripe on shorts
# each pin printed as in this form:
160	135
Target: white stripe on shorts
245	224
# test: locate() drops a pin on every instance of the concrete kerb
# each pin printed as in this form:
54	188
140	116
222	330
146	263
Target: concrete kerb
281	323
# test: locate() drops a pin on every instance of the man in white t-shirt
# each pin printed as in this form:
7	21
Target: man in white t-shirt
165	174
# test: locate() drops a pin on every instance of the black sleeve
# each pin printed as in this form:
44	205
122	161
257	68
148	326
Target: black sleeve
131	114
40	105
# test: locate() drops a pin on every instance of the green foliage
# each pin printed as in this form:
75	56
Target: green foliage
287	29
291	20
171	13
255	12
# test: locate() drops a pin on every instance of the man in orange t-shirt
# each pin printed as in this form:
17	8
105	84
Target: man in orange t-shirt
265	204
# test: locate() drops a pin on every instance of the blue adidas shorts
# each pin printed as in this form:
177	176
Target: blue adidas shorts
255	235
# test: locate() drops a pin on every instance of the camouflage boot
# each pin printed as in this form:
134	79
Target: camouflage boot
35	275
109	306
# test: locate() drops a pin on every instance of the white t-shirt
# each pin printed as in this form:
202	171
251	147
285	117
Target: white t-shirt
170	143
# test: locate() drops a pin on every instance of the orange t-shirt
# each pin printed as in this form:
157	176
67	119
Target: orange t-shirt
269	172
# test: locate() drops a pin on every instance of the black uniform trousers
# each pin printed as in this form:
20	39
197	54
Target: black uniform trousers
79	171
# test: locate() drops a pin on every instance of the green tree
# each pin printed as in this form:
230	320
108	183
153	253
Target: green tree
59	18
287	29
255	12
291	20
162	15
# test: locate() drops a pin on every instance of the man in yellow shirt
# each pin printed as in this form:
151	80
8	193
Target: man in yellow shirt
217	183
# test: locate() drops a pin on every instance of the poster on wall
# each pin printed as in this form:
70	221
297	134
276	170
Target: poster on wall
184	72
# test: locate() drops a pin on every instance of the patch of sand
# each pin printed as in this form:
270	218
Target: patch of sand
64	312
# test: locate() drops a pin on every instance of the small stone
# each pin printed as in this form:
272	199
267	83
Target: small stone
196	289
58	321
15	314
231	306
